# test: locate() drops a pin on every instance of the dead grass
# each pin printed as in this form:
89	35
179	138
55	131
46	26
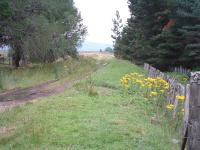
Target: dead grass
98	55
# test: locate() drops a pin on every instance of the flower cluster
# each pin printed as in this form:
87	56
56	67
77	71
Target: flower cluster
156	85
153	94
180	98
128	79
170	106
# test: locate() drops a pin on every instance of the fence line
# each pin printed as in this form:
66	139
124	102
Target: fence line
181	70
175	89
191	119
194	113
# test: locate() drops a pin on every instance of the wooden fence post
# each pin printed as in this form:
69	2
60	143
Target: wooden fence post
186	108
146	67
194	113
186	117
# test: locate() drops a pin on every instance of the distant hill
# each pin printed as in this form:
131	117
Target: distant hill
92	46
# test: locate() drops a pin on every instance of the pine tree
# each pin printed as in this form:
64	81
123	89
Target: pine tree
179	40
188	14
117	29
142	27
164	33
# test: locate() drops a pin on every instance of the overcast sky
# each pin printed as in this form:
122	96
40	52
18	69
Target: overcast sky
97	16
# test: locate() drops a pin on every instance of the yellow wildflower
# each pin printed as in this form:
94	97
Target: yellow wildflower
152	94
180	97
170	106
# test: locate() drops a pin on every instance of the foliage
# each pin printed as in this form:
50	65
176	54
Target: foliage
117	23
188	14
5	13
108	49
5	9
162	30
117	29
43	30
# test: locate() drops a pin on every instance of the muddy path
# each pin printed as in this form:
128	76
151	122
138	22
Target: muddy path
19	96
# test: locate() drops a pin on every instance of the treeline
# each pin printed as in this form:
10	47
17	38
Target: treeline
40	30
164	33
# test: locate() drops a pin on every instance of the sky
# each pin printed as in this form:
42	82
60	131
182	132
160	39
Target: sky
97	16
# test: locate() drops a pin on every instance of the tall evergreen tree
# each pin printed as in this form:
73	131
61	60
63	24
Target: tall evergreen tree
116	36
188	15
142	26
164	33
179	40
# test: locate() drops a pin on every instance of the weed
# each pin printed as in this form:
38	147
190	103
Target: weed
92	91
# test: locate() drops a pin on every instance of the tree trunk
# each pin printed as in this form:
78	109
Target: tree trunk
15	61
17	56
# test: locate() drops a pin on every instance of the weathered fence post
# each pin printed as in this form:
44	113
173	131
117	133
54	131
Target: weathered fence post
146	67
194	113
186	109
186	117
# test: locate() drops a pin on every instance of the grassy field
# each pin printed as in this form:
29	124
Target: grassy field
96	114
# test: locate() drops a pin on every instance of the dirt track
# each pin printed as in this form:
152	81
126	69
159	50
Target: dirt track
12	98
19	96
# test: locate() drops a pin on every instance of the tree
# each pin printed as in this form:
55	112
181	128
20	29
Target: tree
117	23
142	26
5	14
117	29
179	41
108	49
188	15
43	30
164	33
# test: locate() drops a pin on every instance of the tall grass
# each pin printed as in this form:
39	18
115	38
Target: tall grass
40	73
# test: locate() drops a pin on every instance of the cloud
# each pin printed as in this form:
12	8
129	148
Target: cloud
97	16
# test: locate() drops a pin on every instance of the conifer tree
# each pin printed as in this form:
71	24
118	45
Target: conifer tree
116	36
188	15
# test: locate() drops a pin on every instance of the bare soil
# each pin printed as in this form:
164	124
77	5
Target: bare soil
19	96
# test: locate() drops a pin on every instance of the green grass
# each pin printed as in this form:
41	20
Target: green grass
182	78
77	120
36	74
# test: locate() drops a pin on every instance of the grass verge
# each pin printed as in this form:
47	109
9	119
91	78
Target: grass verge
78	120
